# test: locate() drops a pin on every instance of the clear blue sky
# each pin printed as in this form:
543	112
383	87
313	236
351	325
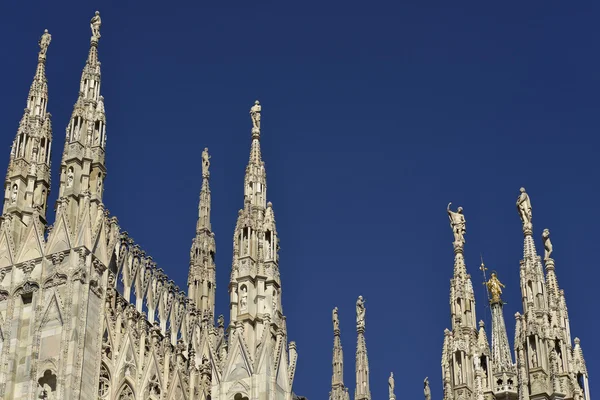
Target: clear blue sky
375	116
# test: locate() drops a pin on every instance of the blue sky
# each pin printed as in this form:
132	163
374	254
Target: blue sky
375	116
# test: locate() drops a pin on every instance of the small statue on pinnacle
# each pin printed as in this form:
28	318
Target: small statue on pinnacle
255	115
547	244
360	312
427	390
495	288
336	321
458	224
524	207
391	386
205	162
95	24
44	43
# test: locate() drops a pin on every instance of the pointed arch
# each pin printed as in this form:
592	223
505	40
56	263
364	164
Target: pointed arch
126	392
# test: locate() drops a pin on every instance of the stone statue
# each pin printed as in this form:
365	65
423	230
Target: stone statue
458	224
14	194
244	299
336	321
44	43
360	312
524	207
534	359
95	24
547	244
70	177
205	162
391	385
427	390
99	185
494	288
255	115
459	373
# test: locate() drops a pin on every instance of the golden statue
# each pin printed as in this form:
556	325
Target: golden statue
494	287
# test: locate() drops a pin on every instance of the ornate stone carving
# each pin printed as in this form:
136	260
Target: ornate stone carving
95	24
547	244
255	115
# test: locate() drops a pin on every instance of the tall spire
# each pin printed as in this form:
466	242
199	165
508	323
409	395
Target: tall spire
502	365
255	292
202	277
338	390
458	364
82	167
362	391
27	182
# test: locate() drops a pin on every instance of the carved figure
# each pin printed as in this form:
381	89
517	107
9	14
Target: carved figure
99	185
70	177
205	162
255	115
44	43
95	24
14	194
494	287
427	390
524	208
244	299
391	386
458	224
547	244
274	300
459	373
360	312
534	359
336	321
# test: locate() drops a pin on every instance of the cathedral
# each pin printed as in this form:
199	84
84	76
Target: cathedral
85	313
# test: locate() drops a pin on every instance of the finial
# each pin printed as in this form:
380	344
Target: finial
360	313
95	24
255	115
205	163
547	244
391	386
524	208
44	42
494	288
481	324
336	321
459	227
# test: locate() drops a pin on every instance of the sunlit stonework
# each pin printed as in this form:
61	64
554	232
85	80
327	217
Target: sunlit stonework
85	313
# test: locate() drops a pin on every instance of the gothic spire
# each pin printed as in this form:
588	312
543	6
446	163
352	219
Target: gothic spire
255	190
362	391
202	276
27	183
462	305
338	390
82	167
501	355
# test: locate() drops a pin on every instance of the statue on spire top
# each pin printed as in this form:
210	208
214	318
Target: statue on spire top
524	207
547	244
95	24
426	390
458	224
255	115
205	163
495	288
336	320
391	386
360	313
44	43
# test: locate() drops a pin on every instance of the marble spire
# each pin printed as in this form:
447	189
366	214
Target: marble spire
83	169
338	390
202	273
362	391
27	183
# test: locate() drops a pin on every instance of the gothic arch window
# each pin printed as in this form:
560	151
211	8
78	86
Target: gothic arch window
126	393
104	383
